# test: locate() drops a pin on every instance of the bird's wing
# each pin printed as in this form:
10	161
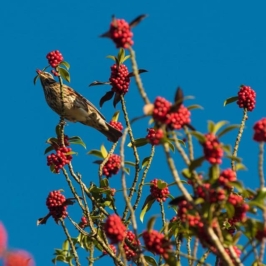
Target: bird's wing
82	102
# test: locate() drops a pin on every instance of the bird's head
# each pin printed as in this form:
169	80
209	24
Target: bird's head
45	77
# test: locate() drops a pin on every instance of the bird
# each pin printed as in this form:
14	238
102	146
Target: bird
76	107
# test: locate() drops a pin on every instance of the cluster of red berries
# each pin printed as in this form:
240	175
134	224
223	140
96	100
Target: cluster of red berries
238	254
154	136
157	193
178	119
131	238
112	247
228	175
116	125
174	120
212	195
18	258
112	166
240	207
54	58
56	203
261	234
174	219
121	33
83	223
183	208
246	98
260	130
114	228
212	149
60	159
119	79
55	73
157	243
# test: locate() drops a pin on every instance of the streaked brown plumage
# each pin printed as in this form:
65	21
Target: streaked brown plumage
76	107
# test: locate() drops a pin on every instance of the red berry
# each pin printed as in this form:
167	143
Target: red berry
154	136
56	203
3	239
131	238
238	254
114	228
112	166
121	33
112	247
178	119
54	59
156	243
226	176
116	125
212	148
18	258
119	79
246	98
157	193
83	223
260	130
161	108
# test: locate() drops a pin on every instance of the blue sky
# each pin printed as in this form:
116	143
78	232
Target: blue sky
208	48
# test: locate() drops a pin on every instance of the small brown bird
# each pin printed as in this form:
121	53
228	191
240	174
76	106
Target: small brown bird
76	107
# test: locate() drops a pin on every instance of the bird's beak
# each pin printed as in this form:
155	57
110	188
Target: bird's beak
38	71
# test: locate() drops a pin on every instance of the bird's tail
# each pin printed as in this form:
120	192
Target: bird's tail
111	133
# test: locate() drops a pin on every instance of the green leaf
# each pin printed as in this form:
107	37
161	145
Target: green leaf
237	185
161	184
227	129
196	163
139	142
227	149
104	183
214	172
96	153
64	74
145	162
150	121
218	126
210	126
104	151
77	140
171	146
230	210
111	57
65	64
233	158
130	163
121	55
150	260
194	106
146	206
199	136
48	149
230	100
65	245
151	223
240	166
186	173
115	116
126	57
126	170
70	153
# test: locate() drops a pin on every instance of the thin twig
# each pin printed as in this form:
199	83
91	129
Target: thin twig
72	246
190	262
239	136
190	144
191	258
234	256
261	174
204	257
162	213
181	150
195	247
137	76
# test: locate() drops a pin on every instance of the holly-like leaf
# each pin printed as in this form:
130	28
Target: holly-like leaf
116	100
150	260
145	162
218	126
230	100
211	126
161	184
48	149
108	96
77	140
137	20
97	82
65	64
199	136
131	74
194	106
171	146
64	74
115	116
196	163
151	223
121	55
71	153
104	151
96	153
138	142
146	206
227	129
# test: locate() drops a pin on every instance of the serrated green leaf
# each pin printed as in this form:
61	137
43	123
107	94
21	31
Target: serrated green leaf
145	162
199	136
218	126
115	116
227	129
139	142
150	260
48	149
64	74
240	166
194	106
151	223
96	153
196	163
233	158
130	163
104	151
146	206
230	100
65	64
